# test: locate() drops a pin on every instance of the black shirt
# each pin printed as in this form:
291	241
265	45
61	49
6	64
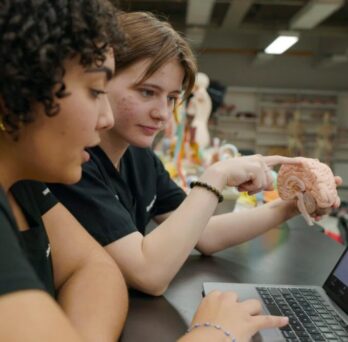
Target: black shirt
35	199
112	204
21	263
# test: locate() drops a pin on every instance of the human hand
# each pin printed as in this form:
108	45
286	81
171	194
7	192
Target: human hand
252	173
242	319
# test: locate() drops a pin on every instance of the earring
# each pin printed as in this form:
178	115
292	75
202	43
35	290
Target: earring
2	127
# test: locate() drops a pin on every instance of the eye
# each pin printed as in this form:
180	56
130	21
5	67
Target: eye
147	92
97	92
172	100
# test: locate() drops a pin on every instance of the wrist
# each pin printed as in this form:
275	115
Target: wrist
290	208
208	187
214	176
209	332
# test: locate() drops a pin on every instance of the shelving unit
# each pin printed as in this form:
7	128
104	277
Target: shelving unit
247	127
309	106
241	132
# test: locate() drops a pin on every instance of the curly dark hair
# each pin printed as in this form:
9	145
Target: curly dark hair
36	37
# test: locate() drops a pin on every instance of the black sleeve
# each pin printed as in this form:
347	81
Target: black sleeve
169	194
16	273
39	193
95	206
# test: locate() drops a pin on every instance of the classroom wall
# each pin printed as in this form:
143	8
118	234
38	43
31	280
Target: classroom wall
235	68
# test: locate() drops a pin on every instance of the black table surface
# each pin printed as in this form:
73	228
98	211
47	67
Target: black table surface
292	254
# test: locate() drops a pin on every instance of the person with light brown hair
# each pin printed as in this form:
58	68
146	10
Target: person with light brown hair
125	185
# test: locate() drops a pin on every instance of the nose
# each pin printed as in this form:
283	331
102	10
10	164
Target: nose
162	110
106	118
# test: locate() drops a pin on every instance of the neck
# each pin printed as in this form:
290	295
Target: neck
9	170
113	146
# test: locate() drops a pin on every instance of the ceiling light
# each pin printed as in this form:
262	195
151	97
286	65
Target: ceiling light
283	42
314	13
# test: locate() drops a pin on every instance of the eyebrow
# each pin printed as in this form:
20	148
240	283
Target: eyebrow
159	88
108	71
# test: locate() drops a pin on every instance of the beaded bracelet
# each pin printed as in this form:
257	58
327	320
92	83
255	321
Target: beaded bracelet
212	325
215	191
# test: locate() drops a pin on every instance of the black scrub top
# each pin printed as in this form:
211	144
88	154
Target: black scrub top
35	199
18	268
112	204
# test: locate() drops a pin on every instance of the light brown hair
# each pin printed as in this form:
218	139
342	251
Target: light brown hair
146	36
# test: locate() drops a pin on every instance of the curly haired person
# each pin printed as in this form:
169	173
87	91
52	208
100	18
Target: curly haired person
56	282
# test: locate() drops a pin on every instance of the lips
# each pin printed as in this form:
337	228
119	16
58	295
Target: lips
149	130
85	156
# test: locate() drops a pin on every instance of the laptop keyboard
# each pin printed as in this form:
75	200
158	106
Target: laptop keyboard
310	317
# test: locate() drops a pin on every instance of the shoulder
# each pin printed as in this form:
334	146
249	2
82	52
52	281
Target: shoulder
15	270
33	195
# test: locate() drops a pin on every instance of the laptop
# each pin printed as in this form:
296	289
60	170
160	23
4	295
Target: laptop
315	313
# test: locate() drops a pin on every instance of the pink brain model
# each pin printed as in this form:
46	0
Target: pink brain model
312	183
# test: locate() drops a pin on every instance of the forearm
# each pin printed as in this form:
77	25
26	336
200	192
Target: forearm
95	299
227	230
33	316
167	247
157	257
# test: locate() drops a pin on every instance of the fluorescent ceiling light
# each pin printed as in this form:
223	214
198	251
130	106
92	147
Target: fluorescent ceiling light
199	12
314	13
283	42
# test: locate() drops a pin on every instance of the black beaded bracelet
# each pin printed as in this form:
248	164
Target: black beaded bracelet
215	191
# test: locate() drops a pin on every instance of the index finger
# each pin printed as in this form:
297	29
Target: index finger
275	160
267	321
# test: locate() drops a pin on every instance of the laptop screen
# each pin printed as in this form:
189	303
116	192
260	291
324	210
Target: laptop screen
336	285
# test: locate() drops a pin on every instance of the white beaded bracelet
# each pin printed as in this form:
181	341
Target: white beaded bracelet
212	325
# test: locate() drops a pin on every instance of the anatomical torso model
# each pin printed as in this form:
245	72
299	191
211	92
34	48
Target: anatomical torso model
199	107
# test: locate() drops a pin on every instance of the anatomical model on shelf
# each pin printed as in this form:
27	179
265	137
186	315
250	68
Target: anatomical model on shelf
280	119
199	107
295	135
312	183
267	119
324	142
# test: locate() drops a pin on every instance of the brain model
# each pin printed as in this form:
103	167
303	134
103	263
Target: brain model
312	183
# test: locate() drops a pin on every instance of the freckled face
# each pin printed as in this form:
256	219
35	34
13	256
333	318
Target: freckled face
142	110
53	148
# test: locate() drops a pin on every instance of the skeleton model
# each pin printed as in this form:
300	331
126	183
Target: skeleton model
312	183
295	133
324	139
